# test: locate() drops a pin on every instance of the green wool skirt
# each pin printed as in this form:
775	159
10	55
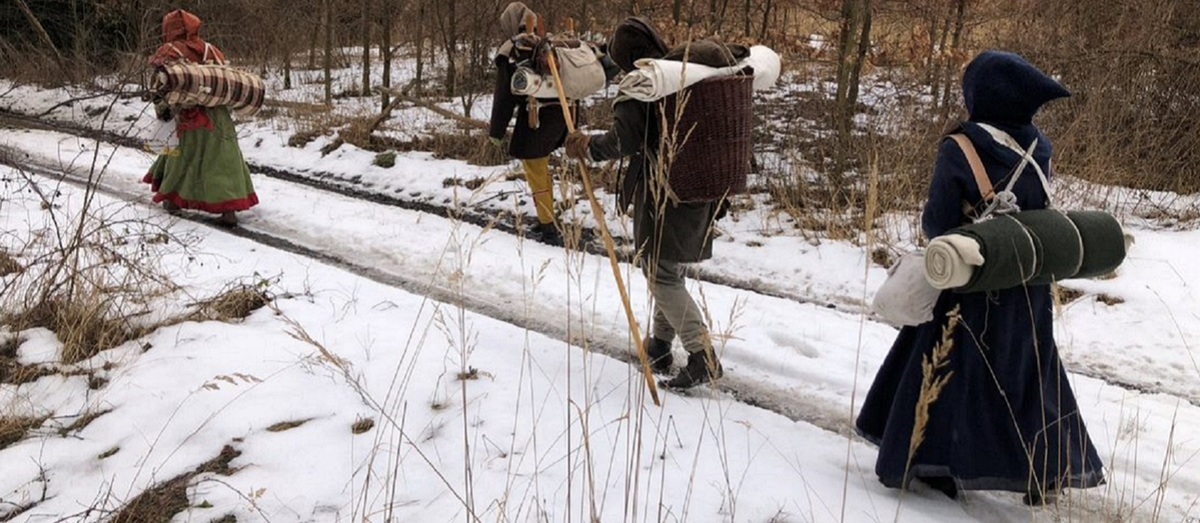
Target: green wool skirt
207	171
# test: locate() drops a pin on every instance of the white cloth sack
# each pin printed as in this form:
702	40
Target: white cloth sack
950	261
163	138
906	299
656	79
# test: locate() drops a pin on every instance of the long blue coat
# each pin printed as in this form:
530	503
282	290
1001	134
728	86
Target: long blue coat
1007	419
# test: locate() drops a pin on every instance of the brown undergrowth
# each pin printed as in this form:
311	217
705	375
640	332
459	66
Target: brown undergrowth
163	501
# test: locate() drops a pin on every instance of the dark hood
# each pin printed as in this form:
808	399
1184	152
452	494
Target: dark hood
1001	87
633	40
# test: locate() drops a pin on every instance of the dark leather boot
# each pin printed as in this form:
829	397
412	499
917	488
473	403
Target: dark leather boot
227	219
702	367
659	354
548	234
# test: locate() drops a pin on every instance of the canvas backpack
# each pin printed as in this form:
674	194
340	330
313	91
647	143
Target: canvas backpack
578	63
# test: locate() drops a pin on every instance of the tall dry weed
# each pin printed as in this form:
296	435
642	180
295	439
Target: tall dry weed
933	382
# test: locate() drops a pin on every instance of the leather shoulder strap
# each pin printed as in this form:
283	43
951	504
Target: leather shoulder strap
981	177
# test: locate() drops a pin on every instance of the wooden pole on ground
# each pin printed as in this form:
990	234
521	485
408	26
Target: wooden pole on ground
608	241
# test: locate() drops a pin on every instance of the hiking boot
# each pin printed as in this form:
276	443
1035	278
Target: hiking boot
227	219
170	207
659	354
548	234
701	368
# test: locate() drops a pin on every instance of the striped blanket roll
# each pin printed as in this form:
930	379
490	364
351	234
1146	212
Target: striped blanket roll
188	84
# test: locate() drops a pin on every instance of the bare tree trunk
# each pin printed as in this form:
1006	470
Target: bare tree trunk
287	70
366	47
312	42
938	62
864	46
947	71
385	50
853	42
676	10
328	59
746	17
450	39
41	31
77	40
419	78
762	32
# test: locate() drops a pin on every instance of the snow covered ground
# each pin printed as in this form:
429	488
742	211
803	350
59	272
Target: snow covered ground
541	429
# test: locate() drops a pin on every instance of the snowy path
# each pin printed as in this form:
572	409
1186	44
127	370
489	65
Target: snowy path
802	360
748	258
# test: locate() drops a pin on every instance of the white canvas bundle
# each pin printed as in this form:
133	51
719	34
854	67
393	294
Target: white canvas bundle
657	79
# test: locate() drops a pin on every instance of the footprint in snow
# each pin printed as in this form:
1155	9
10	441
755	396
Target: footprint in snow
787	340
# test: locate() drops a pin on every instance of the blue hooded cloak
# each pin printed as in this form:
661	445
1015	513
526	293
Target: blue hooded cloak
1007	419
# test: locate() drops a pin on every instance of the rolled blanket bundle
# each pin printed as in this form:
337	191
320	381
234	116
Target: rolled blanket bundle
950	261
1011	254
657	79
527	82
1062	248
209	85
1025	248
1103	242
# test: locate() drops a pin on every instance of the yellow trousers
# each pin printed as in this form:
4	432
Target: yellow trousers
537	174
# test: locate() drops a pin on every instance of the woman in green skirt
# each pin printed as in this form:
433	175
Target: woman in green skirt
206	172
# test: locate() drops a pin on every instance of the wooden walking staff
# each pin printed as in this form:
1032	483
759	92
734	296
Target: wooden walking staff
608	241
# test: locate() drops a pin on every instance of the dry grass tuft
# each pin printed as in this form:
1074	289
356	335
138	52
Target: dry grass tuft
472	184
1064	295
83	325
82	422
1109	299
11	371
471	373
286	425
362	425
9	265
14	373
882	257
14	429
235	303
162	502
474	149
303	138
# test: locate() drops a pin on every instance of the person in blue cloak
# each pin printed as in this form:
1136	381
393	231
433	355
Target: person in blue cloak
1007	418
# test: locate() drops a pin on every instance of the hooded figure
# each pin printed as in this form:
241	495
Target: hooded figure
512	19
181	40
667	234
1007	418
207	172
533	139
